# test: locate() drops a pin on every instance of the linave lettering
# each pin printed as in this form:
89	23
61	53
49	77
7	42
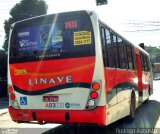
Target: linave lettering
48	81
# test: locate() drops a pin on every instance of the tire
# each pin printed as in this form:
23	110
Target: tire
131	116
146	101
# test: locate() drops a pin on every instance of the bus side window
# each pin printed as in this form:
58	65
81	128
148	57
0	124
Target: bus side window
103	41
133	57
148	64
115	46
145	65
125	54
110	50
129	54
121	54
142	62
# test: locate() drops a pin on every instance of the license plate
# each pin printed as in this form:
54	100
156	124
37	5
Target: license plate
50	98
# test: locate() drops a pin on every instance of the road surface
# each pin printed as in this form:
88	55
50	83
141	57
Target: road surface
147	121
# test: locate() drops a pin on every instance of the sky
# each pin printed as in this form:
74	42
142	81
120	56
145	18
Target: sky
136	20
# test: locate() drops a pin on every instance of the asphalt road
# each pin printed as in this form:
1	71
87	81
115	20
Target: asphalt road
147	121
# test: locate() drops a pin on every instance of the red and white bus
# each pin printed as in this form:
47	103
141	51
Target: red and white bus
156	68
72	68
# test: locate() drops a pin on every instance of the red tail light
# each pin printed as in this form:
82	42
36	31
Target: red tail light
95	86
12	96
94	95
10	89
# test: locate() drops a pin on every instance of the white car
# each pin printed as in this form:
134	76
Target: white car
157	78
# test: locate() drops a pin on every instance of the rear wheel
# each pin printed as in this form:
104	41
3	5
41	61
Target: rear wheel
132	109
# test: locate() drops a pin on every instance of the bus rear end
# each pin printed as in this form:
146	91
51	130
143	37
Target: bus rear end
51	67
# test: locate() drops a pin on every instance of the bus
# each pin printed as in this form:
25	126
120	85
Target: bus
156	68
156	71
72	68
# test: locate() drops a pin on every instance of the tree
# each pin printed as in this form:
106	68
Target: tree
23	10
154	53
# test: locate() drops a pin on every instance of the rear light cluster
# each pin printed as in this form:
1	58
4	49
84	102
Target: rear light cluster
94	94
11	91
95	88
12	97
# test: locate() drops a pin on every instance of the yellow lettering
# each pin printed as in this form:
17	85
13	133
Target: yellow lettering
20	72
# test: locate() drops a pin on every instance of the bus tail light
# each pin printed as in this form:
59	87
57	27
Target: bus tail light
10	89
95	86
94	95
12	96
11	92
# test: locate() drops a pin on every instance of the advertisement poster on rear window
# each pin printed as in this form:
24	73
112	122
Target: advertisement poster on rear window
41	37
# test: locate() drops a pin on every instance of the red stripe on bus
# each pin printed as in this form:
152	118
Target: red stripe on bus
77	69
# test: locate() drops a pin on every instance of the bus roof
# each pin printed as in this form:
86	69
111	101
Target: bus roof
41	17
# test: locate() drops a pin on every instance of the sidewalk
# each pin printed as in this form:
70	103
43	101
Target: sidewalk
3	112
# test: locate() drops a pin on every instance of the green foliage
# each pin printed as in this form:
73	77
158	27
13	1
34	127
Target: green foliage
23	10
154	53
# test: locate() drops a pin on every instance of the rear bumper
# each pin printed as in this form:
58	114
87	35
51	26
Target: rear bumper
96	116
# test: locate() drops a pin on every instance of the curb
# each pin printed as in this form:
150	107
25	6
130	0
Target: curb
1	114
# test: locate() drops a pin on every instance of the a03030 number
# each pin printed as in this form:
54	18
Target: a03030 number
54	105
